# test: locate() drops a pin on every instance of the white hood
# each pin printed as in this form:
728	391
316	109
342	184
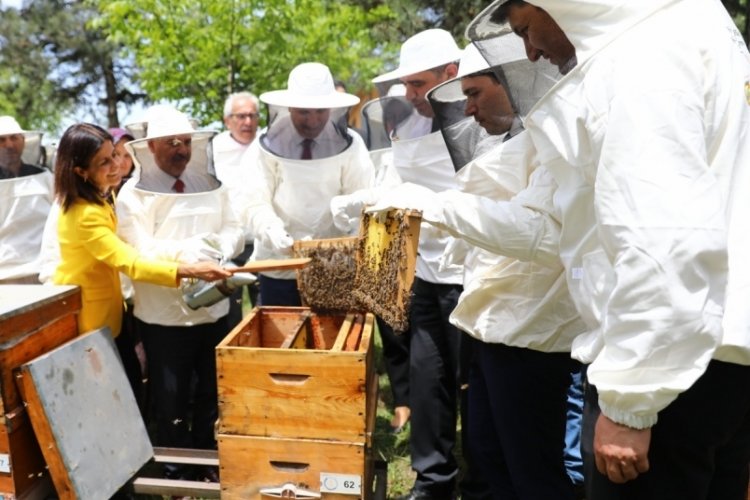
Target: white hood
295	194
650	150
588	24
591	24
26	201
185	227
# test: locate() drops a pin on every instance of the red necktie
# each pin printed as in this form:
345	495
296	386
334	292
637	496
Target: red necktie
306	149
178	186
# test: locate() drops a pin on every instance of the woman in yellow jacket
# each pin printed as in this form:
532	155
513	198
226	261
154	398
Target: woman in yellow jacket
91	254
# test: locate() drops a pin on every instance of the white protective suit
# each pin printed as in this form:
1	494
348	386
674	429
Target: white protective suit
26	201
227	157
425	161
172	226
649	191
520	300
294	195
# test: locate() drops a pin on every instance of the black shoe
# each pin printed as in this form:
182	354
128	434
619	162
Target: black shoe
420	494
579	491
415	494
208	474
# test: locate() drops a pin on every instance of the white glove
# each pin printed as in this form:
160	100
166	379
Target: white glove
347	208
198	248
277	239
409	196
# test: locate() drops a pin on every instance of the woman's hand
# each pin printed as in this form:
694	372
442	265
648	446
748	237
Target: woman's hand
205	270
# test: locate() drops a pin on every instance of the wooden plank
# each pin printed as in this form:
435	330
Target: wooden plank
256	266
85	416
188	456
365	343
44	434
316	333
300	246
175	487
346	327
17	300
352	341
371	407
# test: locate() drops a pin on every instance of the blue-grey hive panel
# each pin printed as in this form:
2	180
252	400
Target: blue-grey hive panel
80	400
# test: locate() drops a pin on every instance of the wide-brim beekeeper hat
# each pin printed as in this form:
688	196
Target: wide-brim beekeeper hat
426	50
9	126
486	24
32	149
310	86
166	121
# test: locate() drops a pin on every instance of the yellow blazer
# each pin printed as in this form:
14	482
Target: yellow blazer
92	257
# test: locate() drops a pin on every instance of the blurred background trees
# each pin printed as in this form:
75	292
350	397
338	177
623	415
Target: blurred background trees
66	60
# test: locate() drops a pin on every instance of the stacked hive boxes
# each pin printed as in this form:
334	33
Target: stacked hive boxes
34	319
297	398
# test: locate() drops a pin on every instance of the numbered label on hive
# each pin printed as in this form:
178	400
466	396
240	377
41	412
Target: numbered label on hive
343	484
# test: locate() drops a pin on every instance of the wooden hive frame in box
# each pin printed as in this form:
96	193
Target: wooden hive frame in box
326	283
386	262
372	272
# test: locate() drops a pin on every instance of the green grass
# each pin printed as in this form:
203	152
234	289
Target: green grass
392	448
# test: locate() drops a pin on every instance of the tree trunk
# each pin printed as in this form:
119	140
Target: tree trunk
110	87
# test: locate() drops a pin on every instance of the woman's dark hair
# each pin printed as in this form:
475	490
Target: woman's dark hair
77	148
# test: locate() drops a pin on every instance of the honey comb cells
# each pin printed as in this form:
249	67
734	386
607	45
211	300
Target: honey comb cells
326	283
373	272
384	276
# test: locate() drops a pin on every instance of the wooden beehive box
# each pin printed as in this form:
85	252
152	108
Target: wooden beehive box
33	320
307	464
287	372
297	400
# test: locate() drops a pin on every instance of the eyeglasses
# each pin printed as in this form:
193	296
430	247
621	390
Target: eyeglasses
244	116
176	143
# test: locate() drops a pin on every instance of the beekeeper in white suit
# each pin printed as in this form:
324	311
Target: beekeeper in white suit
420	155
306	156
26	195
519	312
173	207
647	138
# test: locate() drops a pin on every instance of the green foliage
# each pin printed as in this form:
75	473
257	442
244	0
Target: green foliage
195	52
60	58
54	65
25	91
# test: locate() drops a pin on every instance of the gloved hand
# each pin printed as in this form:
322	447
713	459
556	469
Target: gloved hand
276	238
347	208
198	248
409	196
